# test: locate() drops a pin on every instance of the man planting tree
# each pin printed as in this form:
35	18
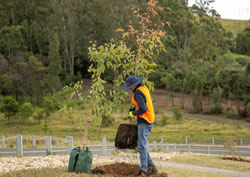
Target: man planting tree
144	113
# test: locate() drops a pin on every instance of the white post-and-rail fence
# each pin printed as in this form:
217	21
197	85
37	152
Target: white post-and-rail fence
104	148
47	139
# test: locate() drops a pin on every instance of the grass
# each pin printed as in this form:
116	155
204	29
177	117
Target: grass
212	161
62	171
176	172
198	131
234	26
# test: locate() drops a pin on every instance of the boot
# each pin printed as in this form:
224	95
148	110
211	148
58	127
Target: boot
141	173
152	169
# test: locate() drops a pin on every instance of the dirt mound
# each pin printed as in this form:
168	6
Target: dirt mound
122	169
235	159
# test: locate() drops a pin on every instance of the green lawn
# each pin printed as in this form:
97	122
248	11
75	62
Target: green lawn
212	161
198	131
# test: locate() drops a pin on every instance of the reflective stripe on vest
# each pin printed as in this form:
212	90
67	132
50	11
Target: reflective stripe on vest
149	116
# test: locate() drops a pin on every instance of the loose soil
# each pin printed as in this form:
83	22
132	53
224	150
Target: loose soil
126	136
239	159
123	169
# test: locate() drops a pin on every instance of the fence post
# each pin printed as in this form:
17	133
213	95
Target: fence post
241	142
70	143
155	146
33	142
3	141
166	146
208	150
48	146
19	145
162	139
104	145
186	140
213	141
189	148
57	141
174	147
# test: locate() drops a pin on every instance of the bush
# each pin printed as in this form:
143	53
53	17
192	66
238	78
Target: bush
156	78
9	107
25	110
157	111
177	112
39	115
107	121
73	103
216	97
163	120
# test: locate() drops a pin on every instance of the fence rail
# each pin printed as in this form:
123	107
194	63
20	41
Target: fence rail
107	147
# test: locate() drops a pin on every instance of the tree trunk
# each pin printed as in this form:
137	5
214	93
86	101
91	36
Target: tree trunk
100	129
201	100
183	100
85	137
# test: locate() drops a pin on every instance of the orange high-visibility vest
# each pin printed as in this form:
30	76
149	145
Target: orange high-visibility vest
149	116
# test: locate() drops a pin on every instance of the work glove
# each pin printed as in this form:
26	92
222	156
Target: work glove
131	115
132	108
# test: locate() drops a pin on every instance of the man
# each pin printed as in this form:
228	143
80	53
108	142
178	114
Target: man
144	114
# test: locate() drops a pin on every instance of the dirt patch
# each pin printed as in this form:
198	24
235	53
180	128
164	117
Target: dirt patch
239	159
122	169
162	101
126	136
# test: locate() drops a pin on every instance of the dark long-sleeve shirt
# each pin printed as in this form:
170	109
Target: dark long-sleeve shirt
141	100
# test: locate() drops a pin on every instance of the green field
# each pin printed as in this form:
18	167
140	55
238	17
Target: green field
213	161
234	26
198	131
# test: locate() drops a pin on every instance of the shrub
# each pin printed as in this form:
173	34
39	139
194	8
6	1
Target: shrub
157	111
163	120
177	112
39	115
107	121
216	97
9	107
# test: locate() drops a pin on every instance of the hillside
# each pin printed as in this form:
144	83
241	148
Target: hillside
234	26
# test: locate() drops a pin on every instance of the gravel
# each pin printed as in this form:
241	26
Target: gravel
9	164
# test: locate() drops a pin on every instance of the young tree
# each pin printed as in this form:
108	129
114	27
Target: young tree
9	107
39	115
49	107
25	112
35	78
243	42
117	56
11	40
202	8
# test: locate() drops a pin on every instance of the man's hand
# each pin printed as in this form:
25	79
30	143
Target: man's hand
131	115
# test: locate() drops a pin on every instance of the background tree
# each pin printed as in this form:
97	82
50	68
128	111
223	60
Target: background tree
54	68
11	40
49	105
9	107
243	42
25	112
